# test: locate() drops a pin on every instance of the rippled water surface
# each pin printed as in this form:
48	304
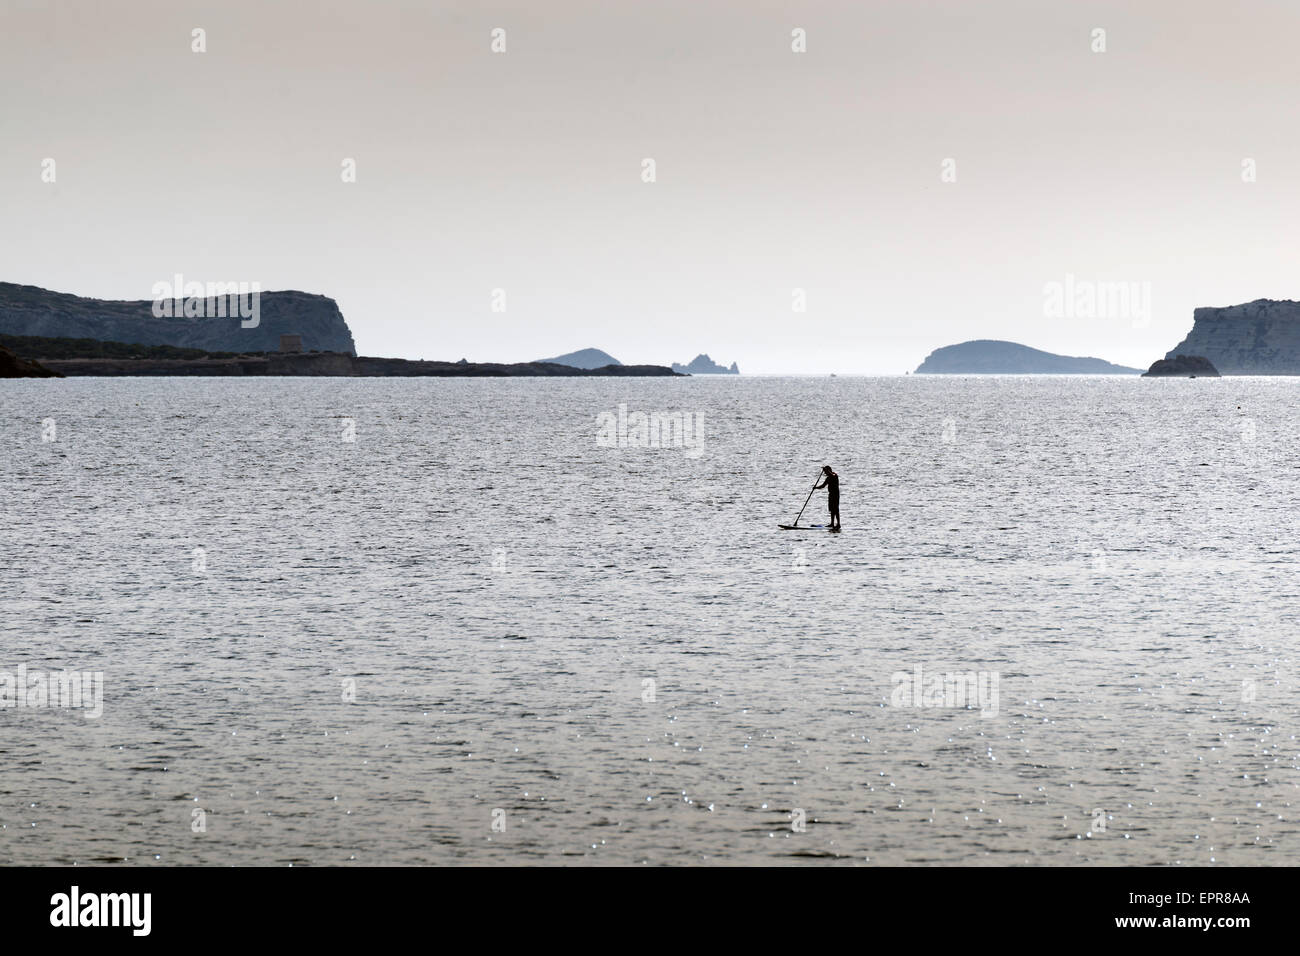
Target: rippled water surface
614	653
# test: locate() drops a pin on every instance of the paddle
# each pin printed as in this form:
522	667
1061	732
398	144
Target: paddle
805	502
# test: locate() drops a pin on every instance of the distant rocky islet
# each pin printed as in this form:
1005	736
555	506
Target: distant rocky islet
594	358
703	365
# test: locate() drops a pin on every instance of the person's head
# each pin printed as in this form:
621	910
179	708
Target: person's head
826	470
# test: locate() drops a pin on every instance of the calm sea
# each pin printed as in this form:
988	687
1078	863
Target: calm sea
427	621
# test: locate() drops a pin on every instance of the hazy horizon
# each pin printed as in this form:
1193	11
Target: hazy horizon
775	170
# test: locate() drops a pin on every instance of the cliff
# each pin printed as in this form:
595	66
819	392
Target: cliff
30	311
1257	338
993	357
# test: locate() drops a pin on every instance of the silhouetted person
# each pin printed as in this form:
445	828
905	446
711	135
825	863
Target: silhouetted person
832	485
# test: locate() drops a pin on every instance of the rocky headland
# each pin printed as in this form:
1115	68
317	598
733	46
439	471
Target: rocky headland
1255	338
30	311
11	366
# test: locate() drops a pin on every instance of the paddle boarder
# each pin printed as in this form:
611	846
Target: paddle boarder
832	485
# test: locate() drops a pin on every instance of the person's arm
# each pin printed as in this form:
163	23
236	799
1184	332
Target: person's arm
822	485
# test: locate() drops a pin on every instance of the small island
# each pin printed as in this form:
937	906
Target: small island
1182	366
583	358
703	365
995	357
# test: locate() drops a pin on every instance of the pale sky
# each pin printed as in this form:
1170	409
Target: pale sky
775	170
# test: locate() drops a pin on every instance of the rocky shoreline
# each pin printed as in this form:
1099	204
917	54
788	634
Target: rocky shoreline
327	364
11	366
